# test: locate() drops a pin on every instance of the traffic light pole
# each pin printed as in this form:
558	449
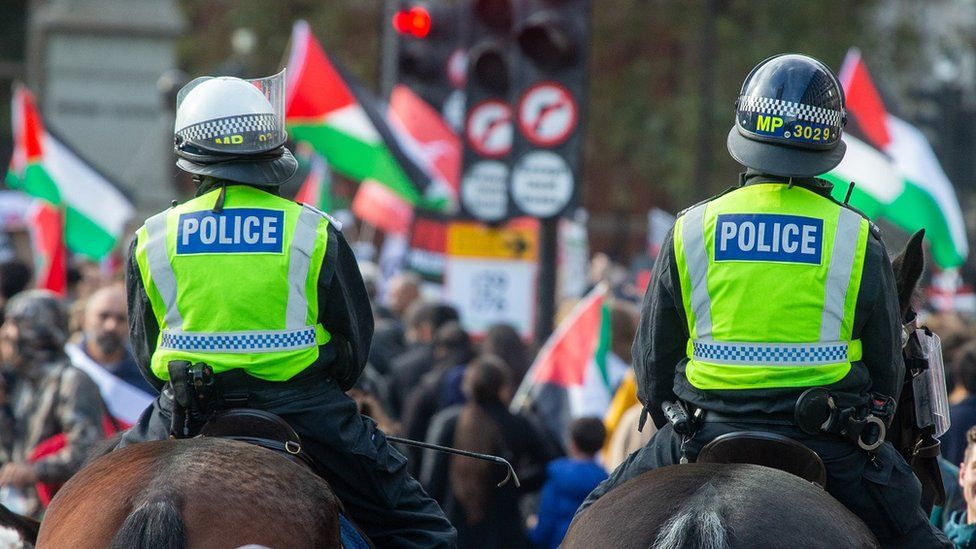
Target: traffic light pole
547	285
390	49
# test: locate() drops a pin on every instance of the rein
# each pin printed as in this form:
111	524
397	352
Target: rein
510	473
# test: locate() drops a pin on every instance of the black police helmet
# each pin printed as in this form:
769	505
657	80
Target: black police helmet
789	118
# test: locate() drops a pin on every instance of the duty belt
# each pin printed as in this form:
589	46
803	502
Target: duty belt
815	413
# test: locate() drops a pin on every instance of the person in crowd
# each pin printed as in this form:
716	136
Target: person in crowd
15	276
503	341
50	412
402	291
568	481
388	340
452	352
954	501
962	415
623	326
821	309
105	336
423	319
485	515
627	438
961	527
276	306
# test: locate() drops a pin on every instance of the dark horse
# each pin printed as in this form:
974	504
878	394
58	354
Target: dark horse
197	493
719	506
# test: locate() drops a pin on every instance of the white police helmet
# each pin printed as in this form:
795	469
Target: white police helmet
234	129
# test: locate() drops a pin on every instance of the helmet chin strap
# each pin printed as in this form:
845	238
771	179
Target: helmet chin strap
219	203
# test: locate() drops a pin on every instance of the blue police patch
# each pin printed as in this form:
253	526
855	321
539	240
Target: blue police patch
768	237
236	230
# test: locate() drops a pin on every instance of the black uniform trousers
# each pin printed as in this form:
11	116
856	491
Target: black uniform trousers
367	474
885	497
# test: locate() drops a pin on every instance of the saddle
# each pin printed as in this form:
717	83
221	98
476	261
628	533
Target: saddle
260	428
768	450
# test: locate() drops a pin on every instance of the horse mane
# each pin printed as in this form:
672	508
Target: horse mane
154	525
699	523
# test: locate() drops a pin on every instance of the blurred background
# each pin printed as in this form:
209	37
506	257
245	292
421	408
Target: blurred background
477	227
660	79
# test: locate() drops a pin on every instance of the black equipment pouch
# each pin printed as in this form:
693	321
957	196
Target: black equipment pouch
178	427
678	417
195	396
816	412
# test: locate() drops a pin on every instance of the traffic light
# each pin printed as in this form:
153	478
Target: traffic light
430	41
548	92
488	119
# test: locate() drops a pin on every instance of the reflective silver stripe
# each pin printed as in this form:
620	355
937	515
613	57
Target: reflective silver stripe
769	354
239	342
696	259
160	269
839	274
302	245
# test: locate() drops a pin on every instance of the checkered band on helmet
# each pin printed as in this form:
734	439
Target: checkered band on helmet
792	100
800	111
246	132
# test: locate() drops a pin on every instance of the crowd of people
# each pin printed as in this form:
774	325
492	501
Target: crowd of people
427	379
71	381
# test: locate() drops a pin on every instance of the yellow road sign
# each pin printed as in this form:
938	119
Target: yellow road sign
516	241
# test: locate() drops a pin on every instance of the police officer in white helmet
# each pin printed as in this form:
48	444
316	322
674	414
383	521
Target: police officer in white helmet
268	294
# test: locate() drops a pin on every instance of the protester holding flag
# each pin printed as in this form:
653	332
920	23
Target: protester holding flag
577	371
103	353
773	288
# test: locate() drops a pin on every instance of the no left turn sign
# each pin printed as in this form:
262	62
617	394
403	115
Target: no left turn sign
489	128
547	114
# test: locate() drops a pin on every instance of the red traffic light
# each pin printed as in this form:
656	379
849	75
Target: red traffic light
414	21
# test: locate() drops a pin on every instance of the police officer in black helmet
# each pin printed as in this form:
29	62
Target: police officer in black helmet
789	120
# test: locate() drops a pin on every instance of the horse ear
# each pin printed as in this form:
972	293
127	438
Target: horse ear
908	268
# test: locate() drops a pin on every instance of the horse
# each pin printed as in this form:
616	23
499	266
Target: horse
191	493
719	506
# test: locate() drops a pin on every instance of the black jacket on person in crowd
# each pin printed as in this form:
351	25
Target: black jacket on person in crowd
406	371
660	346
502	526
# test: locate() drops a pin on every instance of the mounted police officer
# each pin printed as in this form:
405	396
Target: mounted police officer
268	294
773	292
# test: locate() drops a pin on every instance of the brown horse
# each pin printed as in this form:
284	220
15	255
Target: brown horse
713	506
195	493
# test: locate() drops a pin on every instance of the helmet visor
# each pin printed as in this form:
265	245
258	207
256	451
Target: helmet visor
231	116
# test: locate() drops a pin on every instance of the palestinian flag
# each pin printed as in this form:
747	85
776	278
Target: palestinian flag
896	174
326	107
95	211
316	190
429	141
570	377
46	224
